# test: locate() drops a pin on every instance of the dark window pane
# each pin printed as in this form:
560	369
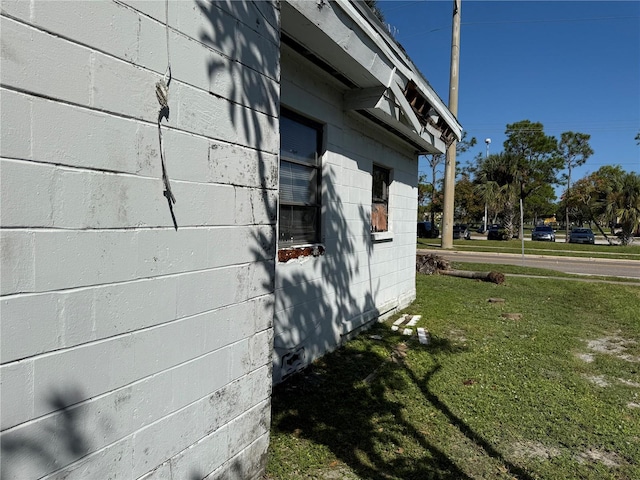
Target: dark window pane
379	199
298	224
298	183
380	184
298	141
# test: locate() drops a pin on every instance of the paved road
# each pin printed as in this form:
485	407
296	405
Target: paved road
576	265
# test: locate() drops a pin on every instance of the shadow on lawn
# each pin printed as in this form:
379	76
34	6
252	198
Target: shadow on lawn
467	431
332	404
343	402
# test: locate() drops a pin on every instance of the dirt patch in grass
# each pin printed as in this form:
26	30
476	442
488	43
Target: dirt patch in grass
457	335
593	455
629	383
598	380
613	345
534	450
586	357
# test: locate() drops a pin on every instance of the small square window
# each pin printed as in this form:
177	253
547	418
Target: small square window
380	199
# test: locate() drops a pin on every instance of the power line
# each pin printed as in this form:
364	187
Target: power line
516	22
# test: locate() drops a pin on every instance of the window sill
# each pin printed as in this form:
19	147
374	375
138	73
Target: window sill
290	253
381	237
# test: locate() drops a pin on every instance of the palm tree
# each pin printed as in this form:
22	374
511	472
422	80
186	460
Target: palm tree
623	204
499	187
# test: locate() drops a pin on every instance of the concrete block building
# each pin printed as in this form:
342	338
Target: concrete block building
197	199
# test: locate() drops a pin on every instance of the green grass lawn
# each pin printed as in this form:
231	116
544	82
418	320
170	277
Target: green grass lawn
629	252
554	395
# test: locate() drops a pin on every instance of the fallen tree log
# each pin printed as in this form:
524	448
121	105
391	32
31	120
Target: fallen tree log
493	277
430	264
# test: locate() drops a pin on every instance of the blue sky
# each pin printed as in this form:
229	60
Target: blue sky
571	65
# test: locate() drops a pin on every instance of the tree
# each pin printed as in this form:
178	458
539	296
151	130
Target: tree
468	205
624	205
498	187
535	155
595	193
541	203
574	149
436	160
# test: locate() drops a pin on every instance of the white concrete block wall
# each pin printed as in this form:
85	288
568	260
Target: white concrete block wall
321	300
130	349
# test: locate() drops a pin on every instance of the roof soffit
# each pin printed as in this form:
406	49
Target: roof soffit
337	33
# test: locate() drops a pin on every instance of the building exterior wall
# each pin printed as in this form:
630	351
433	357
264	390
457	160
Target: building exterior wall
131	349
321	300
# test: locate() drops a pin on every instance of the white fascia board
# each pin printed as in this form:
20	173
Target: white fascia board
403	65
389	105
428	141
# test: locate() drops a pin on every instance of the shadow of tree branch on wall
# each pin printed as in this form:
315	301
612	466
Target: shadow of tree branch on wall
62	438
319	302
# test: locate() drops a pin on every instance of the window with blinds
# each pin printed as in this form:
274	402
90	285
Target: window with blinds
380	199
300	176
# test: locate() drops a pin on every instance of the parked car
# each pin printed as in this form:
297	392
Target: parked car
543	233
582	235
497	232
427	230
460	230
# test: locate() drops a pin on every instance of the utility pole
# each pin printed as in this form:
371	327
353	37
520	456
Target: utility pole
450	164
486	210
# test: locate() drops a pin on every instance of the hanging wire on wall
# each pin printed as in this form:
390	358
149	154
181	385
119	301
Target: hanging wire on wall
162	94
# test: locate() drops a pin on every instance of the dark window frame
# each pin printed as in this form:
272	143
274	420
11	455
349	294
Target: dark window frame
381	178
292	206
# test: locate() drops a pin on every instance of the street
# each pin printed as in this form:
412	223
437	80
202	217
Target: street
575	265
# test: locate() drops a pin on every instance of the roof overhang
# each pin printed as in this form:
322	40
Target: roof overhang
346	40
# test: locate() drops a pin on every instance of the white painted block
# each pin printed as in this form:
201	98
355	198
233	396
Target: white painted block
209	24
113	462
29	326
200	113
130	306
400	320
17	266
162	472
155	10
200	204
105	26
414	320
190	60
407	331
16	8
244	429
27	194
187	156
37	62
202	457
15	124
17	399
245	463
151	445
123	88
423	336
91	369
93	139
68	259
241	166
